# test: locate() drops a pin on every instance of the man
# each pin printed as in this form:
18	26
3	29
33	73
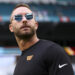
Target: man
39	57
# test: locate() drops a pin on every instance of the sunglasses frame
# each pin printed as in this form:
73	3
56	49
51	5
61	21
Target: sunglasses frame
28	16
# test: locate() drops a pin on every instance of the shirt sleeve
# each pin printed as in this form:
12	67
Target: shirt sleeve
58	61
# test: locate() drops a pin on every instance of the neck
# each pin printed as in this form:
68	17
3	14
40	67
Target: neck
26	43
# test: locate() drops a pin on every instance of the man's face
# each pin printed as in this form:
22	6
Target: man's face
25	27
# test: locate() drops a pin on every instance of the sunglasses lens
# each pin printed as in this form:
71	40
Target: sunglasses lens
18	17
29	16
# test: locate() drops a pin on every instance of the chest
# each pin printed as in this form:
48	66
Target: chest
31	64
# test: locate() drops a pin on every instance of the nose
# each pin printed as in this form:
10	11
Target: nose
24	20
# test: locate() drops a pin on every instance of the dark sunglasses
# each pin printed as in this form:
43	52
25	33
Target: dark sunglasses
28	16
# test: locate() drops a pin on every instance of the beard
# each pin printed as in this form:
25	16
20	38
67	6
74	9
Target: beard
26	35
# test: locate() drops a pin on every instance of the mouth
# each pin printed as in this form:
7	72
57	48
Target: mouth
25	27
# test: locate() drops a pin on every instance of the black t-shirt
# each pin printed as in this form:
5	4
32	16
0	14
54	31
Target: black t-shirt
44	58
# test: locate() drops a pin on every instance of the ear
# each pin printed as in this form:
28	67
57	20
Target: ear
11	28
36	25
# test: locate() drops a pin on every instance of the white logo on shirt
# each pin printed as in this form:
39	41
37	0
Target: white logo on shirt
60	66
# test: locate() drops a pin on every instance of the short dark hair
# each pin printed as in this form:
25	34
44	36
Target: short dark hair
20	5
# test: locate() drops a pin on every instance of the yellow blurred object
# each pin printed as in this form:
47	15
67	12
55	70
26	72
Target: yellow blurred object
69	50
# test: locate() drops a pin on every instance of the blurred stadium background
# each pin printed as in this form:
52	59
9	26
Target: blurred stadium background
56	22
